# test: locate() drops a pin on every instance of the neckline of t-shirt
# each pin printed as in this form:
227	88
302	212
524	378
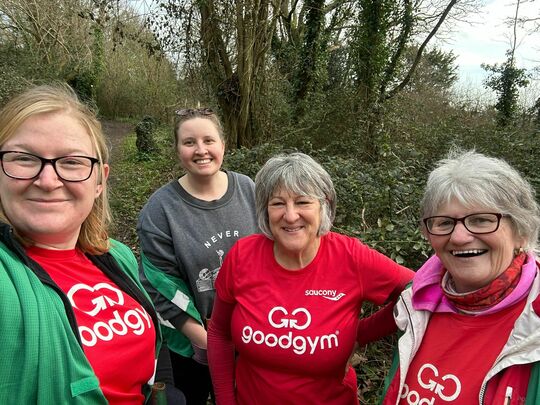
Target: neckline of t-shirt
52	254
307	269
194	201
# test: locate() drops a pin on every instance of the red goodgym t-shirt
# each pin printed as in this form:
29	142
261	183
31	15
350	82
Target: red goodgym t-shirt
118	335
295	330
456	353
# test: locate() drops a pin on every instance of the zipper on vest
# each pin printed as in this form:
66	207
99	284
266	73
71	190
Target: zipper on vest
508	395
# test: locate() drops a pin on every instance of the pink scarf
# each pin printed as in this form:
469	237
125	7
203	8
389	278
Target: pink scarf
428	294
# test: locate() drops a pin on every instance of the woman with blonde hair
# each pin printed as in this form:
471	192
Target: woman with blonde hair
77	326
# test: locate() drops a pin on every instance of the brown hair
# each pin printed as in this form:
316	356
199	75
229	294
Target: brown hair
187	114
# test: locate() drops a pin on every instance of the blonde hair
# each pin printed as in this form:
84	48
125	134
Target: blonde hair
60	98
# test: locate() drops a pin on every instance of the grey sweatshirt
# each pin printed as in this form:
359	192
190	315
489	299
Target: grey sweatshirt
188	238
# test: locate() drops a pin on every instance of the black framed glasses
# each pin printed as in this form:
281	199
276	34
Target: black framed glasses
194	112
480	223
27	166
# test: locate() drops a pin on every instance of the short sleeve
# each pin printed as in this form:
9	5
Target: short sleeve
380	277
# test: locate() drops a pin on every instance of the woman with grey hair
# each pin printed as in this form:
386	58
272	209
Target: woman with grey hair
288	301
471	330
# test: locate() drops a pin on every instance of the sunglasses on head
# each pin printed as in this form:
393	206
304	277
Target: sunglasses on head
186	112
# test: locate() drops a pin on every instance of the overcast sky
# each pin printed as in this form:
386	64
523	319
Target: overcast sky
488	39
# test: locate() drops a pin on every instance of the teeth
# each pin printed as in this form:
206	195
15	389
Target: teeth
292	229
468	252
202	161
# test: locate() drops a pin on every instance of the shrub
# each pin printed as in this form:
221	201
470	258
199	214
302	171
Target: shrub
145	143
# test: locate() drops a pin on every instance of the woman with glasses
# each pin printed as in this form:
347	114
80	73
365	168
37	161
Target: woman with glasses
470	322
77	326
185	230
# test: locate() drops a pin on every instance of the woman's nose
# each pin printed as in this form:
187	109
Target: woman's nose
291	213
201	148
460	234
48	178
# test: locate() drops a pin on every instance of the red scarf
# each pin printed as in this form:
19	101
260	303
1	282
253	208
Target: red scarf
487	296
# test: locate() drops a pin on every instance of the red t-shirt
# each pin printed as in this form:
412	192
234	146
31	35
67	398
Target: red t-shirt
456	353
295	330
118	335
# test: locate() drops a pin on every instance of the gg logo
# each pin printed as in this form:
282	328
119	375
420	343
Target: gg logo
448	389
299	319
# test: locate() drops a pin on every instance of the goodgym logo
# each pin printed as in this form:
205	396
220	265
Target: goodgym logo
116	322
284	334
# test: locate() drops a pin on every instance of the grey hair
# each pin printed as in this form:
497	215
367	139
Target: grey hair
300	174
476	180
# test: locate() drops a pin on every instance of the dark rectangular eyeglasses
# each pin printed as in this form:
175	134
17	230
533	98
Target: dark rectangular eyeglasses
480	223
26	166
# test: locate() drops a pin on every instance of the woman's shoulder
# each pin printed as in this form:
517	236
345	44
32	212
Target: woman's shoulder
163	199
251	244
118	249
165	191
336	244
251	240
338	239
242	179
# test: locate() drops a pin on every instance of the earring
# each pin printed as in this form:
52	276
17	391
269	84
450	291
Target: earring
518	251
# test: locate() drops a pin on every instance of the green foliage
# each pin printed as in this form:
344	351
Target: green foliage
437	69
310	75
135	81
370	48
379	204
506	79
43	41
145	143
133	180
11	81
84	85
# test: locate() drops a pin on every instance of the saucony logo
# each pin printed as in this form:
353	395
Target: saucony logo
328	294
336	298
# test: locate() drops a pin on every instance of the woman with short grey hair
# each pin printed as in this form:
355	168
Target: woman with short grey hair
475	179
479	293
300	174
288	301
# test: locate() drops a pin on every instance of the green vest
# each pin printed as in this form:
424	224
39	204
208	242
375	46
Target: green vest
42	360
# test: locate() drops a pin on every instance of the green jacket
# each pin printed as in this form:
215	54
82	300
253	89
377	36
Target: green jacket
42	358
176	291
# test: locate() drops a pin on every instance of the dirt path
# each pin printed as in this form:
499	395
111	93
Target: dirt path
115	133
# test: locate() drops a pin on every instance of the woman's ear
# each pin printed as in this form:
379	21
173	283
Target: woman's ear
102	178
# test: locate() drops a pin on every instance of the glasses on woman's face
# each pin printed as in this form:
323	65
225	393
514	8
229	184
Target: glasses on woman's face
481	223
187	112
26	166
